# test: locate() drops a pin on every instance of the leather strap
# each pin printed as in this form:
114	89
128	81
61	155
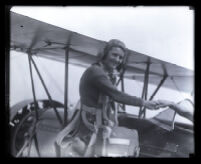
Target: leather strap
95	111
91	110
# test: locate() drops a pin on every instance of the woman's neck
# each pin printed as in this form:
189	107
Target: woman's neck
106	67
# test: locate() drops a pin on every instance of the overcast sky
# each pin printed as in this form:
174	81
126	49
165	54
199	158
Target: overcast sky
166	33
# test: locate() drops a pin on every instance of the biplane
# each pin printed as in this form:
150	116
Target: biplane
36	124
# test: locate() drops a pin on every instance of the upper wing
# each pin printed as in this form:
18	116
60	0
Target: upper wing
49	41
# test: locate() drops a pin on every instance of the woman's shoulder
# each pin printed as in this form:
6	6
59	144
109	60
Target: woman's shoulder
96	70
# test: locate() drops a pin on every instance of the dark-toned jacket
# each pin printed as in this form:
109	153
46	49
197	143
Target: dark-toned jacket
96	81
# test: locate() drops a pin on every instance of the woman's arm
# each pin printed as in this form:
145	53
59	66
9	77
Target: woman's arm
181	110
106	86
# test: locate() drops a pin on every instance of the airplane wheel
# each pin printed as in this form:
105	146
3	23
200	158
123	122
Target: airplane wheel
23	125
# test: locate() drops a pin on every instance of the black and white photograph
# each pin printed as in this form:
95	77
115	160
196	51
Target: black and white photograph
101	81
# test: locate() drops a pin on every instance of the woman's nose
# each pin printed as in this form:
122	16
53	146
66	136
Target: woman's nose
118	59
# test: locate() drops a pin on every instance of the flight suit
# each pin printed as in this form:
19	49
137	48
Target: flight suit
98	91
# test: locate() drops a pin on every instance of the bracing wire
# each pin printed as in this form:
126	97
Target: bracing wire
49	75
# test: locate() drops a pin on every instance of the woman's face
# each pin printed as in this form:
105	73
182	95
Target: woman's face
114	57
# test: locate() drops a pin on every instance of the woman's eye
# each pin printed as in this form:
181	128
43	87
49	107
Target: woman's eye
121	57
117	55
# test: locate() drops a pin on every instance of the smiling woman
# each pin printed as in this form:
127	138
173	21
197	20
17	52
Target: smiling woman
98	95
114	58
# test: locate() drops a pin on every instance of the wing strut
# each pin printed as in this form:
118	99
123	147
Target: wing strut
161	82
158	87
35	108
47	92
142	111
32	85
66	81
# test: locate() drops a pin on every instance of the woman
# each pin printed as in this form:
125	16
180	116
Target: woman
98	92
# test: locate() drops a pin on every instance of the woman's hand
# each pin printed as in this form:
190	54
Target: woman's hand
165	103
152	105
